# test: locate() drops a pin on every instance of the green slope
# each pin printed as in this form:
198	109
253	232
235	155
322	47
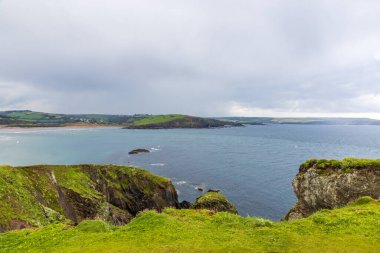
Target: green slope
177	121
355	228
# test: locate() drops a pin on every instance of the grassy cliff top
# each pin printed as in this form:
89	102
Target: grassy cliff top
345	166
354	228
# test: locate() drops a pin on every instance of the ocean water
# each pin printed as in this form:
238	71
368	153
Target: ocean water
253	166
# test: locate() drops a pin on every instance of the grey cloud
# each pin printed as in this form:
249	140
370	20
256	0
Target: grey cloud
194	57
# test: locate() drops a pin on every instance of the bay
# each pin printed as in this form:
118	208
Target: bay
253	165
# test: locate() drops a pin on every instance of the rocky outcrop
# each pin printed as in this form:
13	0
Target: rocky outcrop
138	151
328	184
38	195
214	201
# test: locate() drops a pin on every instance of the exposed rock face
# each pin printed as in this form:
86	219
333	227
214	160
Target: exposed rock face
214	201
38	195
323	184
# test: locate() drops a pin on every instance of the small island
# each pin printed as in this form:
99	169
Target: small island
138	151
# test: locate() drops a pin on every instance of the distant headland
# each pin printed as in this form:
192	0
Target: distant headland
29	119
26	118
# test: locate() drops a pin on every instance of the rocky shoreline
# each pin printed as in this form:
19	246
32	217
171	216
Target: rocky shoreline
39	195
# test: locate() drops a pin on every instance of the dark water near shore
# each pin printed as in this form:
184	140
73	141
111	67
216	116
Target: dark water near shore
253	165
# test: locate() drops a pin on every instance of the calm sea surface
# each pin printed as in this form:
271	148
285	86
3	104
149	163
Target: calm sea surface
252	165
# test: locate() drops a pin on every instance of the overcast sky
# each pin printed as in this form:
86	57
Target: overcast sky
200	57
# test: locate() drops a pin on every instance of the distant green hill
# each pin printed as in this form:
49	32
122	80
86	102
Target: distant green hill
303	121
177	121
27	118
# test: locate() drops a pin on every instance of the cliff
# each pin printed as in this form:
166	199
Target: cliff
328	184
35	196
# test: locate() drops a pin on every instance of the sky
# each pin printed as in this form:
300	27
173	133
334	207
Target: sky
280	58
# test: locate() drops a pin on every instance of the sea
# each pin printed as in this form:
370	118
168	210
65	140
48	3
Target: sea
253	165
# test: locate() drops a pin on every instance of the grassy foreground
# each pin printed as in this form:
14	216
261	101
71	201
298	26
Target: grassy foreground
355	228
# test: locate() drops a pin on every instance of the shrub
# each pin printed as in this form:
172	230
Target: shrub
364	200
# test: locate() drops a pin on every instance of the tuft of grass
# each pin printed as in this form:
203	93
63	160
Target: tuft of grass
364	200
355	228
93	226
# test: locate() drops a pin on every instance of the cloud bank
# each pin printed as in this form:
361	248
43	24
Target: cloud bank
243	58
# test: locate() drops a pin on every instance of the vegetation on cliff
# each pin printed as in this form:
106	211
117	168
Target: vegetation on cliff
35	196
355	228
324	167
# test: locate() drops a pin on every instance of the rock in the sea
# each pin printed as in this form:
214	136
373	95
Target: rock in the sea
328	184
48	194
199	189
138	151
214	201
185	205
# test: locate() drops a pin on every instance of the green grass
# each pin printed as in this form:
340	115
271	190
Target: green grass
347	165
157	119
355	228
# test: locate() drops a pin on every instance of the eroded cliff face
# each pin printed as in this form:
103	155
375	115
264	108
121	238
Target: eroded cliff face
328	184
38	195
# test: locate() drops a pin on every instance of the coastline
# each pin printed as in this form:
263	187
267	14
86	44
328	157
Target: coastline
74	126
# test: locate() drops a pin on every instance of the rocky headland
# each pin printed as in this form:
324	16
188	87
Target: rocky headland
43	194
39	195
329	184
